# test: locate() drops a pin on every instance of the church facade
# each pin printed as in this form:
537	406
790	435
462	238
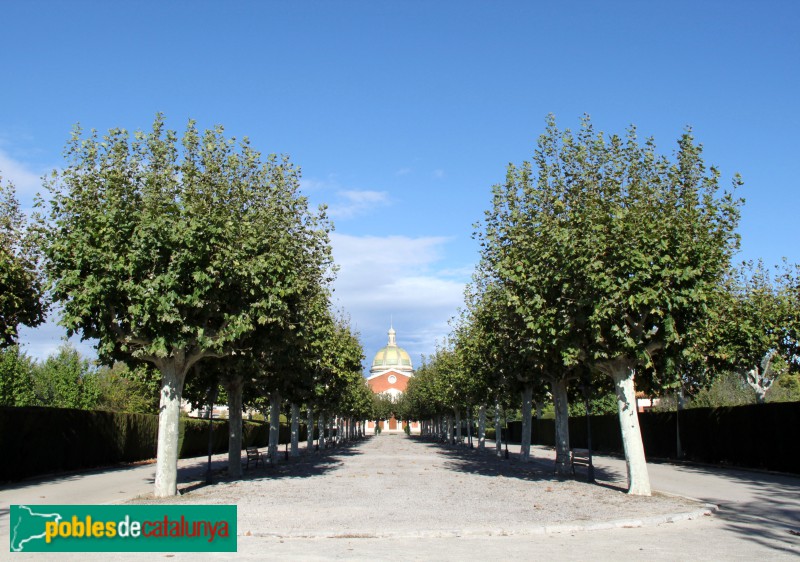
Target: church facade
389	374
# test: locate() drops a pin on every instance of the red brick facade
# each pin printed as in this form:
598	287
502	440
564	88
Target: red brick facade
381	382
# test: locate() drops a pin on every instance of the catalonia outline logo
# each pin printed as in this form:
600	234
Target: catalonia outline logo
122	528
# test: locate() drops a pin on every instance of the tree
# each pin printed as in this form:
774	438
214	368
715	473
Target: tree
122	389
65	380
527	248
634	245
16	378
172	252
757	329
21	291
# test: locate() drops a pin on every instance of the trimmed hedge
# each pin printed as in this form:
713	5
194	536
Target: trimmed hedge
41	440
759	436
38	440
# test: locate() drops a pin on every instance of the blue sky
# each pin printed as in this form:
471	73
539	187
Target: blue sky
403	114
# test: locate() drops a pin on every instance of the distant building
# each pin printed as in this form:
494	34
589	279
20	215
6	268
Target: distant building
390	372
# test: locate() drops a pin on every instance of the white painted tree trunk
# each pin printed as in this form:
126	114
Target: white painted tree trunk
759	382
274	425
172	377
498	430
525	444
233	387
295	447
469	425
310	432
560	401
638	478
321	436
482	427
458	427
451	437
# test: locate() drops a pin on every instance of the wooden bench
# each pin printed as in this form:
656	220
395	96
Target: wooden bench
254	455
580	457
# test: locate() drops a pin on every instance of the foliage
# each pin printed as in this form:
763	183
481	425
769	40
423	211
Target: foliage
161	249
46	440
757	332
727	389
122	389
382	406
607	250
16	378
66	380
173	251
599	405
604	256
21	291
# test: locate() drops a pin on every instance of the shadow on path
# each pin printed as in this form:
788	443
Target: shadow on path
305	466
487	463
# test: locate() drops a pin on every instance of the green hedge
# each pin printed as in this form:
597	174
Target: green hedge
753	436
194	436
40	440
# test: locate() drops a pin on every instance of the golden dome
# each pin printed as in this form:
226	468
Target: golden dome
392	357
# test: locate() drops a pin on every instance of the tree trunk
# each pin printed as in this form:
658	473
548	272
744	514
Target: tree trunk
172	377
310	432
525	444
321	429
295	447
638	479
451	437
482	427
274	425
559	389
469	426
498	430
458	427
233	387
678	445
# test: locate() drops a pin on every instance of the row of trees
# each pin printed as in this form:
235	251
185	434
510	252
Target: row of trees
195	255
605	264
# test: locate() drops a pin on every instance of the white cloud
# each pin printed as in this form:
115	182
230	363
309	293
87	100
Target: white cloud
381	279
394	277
44	340
353	202
312	184
26	181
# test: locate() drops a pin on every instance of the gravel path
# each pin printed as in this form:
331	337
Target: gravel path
395	486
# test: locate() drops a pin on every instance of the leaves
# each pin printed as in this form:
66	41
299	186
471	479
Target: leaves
157	246
21	287
606	248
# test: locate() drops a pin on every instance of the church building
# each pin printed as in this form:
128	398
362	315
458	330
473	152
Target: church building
390	372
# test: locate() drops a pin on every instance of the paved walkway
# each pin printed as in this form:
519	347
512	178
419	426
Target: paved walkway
392	496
